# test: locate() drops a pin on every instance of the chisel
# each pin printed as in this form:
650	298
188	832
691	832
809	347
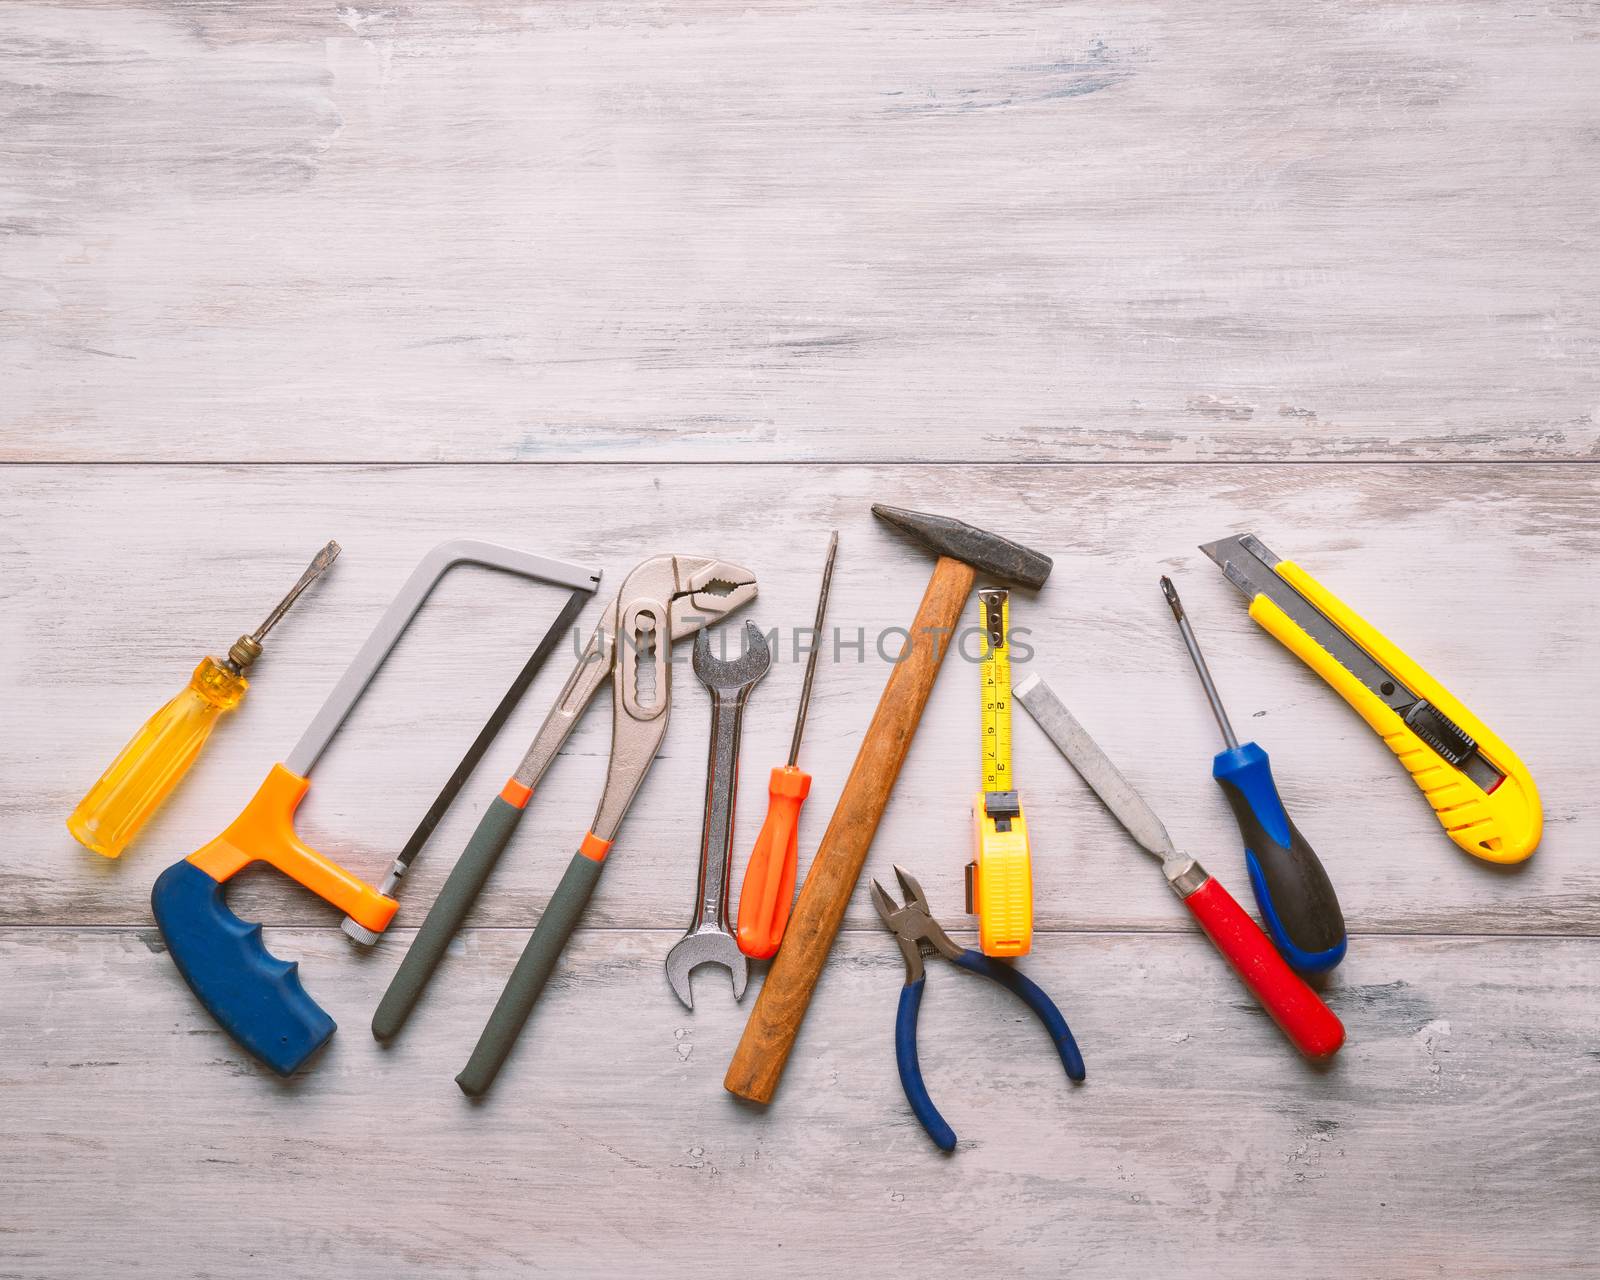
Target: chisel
1308	1023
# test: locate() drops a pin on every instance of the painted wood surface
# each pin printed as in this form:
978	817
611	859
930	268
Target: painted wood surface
1455	1125
1453	1136
1325	273
835	230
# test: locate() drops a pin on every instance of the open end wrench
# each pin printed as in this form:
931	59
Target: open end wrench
709	940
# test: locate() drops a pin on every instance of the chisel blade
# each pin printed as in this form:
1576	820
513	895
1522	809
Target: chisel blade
1095	767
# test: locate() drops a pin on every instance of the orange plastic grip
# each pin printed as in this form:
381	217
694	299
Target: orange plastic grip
768	889
264	832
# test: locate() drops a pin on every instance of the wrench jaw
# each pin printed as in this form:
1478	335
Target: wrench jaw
735	677
710	946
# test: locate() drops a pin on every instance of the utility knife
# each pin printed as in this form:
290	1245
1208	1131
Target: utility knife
1481	793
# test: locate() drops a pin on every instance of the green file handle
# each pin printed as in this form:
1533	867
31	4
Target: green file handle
533	970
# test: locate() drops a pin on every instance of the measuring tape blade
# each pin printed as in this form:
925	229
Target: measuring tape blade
995	689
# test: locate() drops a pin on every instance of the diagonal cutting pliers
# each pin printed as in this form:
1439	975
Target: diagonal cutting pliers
918	933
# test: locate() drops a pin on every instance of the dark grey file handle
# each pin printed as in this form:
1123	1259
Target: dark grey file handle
533	970
445	917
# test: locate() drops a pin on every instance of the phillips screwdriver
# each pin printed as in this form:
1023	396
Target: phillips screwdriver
768	889
157	757
1292	889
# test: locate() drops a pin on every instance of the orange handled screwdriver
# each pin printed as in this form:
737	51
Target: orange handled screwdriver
768	889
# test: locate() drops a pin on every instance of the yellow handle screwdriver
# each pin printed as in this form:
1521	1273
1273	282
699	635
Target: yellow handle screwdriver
156	758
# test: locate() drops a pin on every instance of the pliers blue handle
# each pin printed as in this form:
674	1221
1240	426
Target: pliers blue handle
912	925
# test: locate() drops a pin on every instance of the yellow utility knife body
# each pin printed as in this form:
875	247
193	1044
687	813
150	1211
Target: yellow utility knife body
1000	876
1481	793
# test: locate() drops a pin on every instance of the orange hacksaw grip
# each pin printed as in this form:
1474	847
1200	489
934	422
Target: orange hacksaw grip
264	832
256	997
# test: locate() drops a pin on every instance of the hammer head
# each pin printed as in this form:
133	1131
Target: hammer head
987	552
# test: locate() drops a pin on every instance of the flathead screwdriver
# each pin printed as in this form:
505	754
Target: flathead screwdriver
1292	889
768	889
156	758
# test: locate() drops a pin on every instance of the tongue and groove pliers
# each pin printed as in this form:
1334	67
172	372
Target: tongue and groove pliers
918	933
664	599
641	630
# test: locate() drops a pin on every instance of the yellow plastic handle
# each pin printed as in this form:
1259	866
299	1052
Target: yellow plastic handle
1499	826
1002	885
154	761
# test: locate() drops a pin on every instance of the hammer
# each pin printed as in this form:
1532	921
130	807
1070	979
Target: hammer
769	1036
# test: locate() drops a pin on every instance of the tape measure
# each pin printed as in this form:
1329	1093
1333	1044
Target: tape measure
1000	876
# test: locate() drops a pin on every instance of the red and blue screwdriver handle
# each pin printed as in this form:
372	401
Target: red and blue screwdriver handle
1311	1026
905	1037
1292	889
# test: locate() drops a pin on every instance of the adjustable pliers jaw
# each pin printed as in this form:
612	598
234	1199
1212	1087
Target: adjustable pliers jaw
664	599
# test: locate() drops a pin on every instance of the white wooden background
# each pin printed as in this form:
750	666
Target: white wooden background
1114	279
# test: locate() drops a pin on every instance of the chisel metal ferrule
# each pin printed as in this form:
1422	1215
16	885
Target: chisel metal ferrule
1187	878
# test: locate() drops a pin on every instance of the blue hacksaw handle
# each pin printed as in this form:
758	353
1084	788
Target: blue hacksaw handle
255	997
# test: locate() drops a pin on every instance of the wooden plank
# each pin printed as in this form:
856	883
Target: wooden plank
837	230
117	579
1450	1137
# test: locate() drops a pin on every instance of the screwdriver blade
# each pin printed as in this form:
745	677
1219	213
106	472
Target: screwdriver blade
318	566
1199	660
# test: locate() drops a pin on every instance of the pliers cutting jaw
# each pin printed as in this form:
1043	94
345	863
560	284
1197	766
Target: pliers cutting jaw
914	928
913	924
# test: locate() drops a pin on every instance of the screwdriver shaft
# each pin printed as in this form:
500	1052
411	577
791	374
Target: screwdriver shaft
318	566
1200	667
816	646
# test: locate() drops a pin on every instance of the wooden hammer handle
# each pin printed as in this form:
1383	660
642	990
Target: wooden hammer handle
775	1021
